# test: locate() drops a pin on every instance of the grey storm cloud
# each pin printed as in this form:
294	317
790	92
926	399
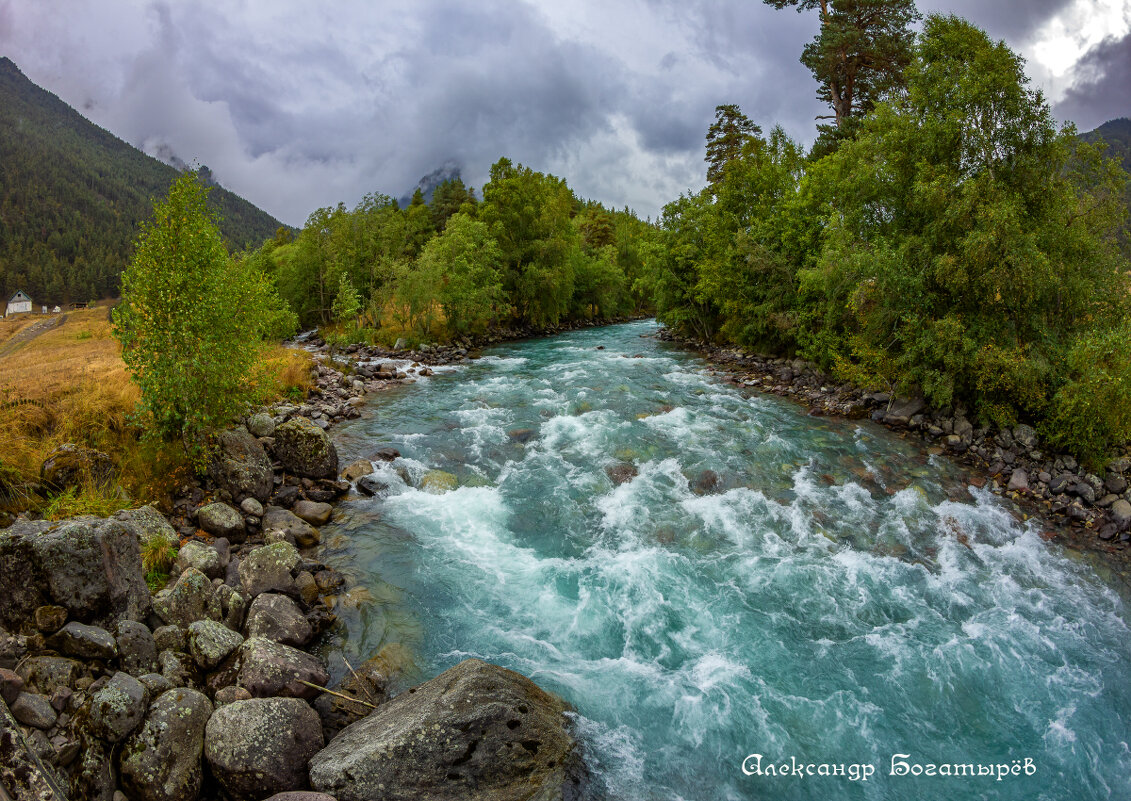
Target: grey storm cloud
298	105
1104	85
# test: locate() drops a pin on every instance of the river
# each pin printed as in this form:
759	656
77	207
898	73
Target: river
829	592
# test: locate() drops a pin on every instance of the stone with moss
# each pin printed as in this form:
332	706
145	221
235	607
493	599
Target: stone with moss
438	481
305	450
210	643
268	569
186	601
241	466
161	761
118	708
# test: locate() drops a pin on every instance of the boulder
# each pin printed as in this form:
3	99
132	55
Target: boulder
221	520
187	601
170	638
72	466
476	731
137	650
84	642
261	746
155	683
1018	481
178	668
386	454
294	527
304	449
362	467
241	466
438	482
370	486
35	711
210	643
23	776
11	685
91	567
118	708
269	669
268	569
147	523
1120	513
261	425
200	556
161	761
50	618
316	514
276	617
46	674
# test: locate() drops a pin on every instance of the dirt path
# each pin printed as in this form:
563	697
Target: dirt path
30	333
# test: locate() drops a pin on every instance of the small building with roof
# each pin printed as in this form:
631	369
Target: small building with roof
19	304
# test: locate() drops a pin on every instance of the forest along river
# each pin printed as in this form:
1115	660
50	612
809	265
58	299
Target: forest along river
837	596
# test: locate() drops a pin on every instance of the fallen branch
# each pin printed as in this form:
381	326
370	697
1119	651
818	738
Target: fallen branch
343	696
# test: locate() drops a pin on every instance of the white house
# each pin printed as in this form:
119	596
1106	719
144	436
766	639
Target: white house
19	304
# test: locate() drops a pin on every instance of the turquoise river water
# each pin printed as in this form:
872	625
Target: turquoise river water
837	597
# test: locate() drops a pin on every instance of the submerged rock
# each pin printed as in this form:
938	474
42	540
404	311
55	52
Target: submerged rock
262	746
476	731
438	481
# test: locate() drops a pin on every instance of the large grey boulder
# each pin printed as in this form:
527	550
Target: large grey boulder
137	650
187	601
262	746
304	449
276	617
147	524
210	643
241	466
203	557
279	519
118	708
268	668
161	761
85	642
221	520
268	569
476	731
91	567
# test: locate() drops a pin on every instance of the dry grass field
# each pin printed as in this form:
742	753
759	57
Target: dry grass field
62	379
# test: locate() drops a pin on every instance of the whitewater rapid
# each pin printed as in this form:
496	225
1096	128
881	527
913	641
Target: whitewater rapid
832	595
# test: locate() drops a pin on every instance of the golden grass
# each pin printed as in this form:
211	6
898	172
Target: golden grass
69	384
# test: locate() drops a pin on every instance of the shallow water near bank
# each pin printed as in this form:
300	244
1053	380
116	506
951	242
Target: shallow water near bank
833	594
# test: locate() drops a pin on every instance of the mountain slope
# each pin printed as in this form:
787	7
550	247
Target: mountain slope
72	195
1117	134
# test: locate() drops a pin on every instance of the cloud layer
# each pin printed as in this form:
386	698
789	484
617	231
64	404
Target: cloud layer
297	106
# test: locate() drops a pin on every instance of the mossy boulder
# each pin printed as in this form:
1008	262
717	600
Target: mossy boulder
304	449
241	466
438	481
161	760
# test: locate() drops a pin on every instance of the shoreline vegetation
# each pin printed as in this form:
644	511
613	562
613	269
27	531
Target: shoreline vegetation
944	261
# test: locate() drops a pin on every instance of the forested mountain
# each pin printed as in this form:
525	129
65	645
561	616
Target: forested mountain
1117	134
72	194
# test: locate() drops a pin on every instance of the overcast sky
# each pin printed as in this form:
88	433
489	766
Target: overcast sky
297	105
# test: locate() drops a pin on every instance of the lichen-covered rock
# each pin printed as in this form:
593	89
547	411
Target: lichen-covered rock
187	601
210	643
241	466
147	524
261	425
200	556
50	618
73	465
262	746
23	775
170	638
118	708
276	617
91	567
137	650
304	449
268	668
298	530
84	642
221	520
268	569
476	731
316	514
161	761
362	467
46	674
178	668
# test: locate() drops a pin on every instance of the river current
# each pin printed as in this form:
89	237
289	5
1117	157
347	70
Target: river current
766	583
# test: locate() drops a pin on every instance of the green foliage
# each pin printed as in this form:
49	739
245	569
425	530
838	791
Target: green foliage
463	268
954	243
726	137
72	195
347	303
192	321
157	557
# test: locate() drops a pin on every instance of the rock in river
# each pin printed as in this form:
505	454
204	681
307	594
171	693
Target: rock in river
475	732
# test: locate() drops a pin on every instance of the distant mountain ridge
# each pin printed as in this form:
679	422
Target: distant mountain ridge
1117	134
72	195
448	171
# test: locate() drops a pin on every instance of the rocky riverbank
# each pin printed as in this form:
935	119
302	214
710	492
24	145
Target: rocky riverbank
1083	508
209	688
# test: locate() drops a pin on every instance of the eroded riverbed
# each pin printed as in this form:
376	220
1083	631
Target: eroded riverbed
766	582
